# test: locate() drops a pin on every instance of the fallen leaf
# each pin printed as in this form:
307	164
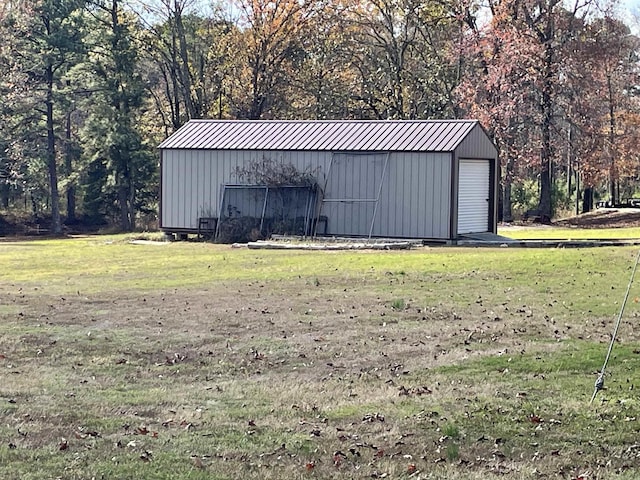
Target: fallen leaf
372	417
413	391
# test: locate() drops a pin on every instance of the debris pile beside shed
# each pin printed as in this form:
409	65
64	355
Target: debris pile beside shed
266	245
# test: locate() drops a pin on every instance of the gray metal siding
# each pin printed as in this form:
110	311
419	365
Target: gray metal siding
476	144
414	200
354	177
192	180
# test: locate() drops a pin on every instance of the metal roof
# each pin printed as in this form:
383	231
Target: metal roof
334	135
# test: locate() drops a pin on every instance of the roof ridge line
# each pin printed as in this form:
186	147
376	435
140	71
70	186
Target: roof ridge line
216	120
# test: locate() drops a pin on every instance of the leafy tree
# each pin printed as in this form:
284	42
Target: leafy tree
605	112
112	134
527	44
271	47
400	51
45	37
189	63
323	85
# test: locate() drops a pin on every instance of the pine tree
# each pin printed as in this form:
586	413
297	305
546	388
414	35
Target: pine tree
112	132
45	37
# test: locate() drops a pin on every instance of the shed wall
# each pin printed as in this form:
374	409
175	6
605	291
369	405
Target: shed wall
476	145
415	199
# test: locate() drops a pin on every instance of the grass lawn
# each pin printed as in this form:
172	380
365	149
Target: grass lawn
559	233
199	361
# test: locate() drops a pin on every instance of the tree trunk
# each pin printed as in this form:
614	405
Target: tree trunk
577	192
71	188
185	75
56	225
71	204
612	129
546	107
131	202
507	213
4	196
123	197
587	200
569	162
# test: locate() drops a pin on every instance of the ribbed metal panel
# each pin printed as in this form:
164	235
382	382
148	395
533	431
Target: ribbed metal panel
354	136
414	199
355	180
476	145
449	135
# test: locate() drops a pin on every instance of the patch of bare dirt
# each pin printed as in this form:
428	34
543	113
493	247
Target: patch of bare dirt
603	218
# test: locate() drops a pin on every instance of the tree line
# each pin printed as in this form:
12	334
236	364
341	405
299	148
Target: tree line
90	87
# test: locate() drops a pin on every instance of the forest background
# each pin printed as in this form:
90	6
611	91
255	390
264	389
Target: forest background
88	89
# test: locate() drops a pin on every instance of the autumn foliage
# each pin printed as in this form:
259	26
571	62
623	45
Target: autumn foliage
88	90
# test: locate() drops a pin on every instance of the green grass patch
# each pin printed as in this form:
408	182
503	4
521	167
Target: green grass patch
561	233
514	402
398	304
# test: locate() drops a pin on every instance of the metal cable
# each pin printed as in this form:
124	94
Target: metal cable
599	385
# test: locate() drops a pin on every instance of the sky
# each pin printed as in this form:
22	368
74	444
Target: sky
631	14
632	5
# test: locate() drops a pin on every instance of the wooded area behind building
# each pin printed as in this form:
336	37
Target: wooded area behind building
90	88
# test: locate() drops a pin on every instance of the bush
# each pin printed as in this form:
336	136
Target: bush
524	197
239	230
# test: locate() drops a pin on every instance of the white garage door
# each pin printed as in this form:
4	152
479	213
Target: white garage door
473	196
